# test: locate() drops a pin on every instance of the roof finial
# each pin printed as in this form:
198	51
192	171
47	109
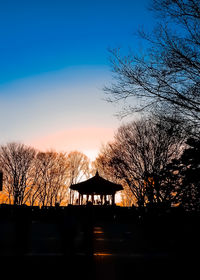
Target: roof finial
97	173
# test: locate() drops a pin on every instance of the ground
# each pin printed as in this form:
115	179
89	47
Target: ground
115	245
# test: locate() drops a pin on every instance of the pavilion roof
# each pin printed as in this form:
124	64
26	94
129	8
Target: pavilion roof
96	185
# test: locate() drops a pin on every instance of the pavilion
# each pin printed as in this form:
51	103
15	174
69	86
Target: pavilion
98	187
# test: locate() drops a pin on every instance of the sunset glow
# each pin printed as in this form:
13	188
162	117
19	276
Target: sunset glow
100	138
54	66
85	139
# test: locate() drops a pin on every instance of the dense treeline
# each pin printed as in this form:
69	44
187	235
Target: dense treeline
156	162
39	178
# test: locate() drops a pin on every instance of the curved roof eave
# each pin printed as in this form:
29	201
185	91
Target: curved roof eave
96	185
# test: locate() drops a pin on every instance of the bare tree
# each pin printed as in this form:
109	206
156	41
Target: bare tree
16	161
78	167
49	179
138	155
78	170
167	76
61	172
40	178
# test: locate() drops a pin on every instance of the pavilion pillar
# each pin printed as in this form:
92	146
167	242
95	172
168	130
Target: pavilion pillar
113	199
104	199
101	199
92	199
72	197
79	198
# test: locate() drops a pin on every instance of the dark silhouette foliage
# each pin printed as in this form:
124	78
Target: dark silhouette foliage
189	173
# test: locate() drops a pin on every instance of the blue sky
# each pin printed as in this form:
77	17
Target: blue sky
54	64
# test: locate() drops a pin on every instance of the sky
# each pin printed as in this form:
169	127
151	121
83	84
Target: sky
54	65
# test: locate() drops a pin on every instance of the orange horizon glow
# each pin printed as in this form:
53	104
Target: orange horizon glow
84	139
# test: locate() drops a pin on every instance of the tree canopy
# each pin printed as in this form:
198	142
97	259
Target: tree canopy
167	76
139	154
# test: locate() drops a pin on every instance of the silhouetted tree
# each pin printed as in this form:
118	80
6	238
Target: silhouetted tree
184	174
78	169
49	178
40	178
191	175
167	77
16	161
140	152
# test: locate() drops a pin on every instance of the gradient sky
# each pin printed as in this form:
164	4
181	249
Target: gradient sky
54	64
